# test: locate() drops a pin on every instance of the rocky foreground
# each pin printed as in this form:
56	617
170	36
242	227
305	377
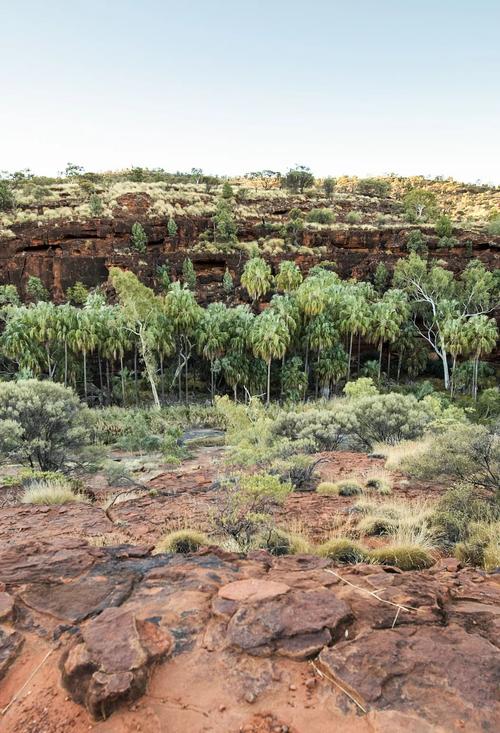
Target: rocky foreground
116	639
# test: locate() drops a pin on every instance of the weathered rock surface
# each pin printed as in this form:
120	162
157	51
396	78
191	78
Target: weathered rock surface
113	661
214	641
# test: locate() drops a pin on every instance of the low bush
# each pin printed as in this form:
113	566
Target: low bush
321	216
347	487
298	470
387	418
50	491
343	550
374	525
182	541
402	556
458	509
467	453
327	488
362	387
41	423
482	546
319	428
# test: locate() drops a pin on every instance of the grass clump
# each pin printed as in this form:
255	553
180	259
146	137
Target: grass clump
403	556
339	488
378	483
55	491
482	547
376	525
182	541
282	542
342	549
396	454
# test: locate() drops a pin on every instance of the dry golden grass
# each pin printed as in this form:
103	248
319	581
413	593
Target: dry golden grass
396	454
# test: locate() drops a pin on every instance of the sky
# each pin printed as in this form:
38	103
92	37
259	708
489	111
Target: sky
358	87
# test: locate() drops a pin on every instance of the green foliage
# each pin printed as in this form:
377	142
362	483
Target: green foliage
342	550
420	204
416	243
298	179
402	556
35	290
329	186
465	452
482	547
225	228
77	293
460	507
95	205
294	379
298	470
362	387
444	226
172	227
188	274
327	488
138	239
227	190
256	277
289	277
9	296
245	506
321	216
6	196
348	487
354	217
182	541
41	423
373	187
493	227
227	282
388	418
317	429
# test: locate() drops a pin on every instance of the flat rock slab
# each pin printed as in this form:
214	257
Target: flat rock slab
10	645
253	590
443	674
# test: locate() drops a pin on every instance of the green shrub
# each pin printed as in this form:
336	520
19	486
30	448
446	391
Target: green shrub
6	197
458	509
298	470
362	387
138	239
342	549
321	216
354	217
494	226
482	546
182	541
327	488
318	427
467	453
404	557
387	418
41	423
51	491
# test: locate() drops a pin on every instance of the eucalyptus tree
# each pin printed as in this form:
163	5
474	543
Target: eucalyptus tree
270	338
184	314
141	308
436	297
256	278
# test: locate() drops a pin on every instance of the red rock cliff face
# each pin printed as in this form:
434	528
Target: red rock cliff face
62	253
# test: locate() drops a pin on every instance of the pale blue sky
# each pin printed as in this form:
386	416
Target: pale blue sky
351	86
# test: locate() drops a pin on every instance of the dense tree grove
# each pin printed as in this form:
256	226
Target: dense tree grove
306	340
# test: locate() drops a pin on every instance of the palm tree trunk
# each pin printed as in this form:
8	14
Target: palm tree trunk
65	363
162	379
350	356
85	374
359	353
389	363
122	377
101	381
380	347
400	361
268	382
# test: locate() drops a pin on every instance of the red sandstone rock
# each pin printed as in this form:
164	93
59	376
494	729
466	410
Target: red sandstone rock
114	660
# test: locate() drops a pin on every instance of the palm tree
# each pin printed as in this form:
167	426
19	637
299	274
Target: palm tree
289	277
482	335
256	278
330	368
455	336
213	336
83	340
270	338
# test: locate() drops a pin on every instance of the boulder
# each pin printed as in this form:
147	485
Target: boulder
113	660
